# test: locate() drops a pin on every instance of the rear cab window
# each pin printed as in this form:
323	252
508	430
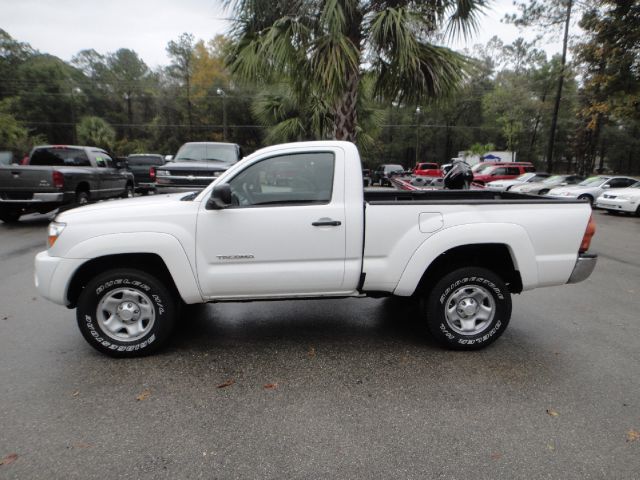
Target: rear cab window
59	157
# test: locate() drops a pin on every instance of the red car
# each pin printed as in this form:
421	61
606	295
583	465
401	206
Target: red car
427	170
501	171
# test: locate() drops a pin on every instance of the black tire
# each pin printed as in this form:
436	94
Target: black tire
128	191
470	287
82	197
589	198
137	290
10	216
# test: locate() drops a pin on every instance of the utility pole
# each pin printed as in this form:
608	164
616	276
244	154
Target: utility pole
418	111
222	93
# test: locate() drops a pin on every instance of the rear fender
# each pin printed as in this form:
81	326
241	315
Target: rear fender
513	236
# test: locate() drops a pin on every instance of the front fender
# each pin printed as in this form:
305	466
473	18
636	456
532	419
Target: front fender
513	236
164	245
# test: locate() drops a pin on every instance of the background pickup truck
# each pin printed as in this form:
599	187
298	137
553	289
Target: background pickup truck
196	165
58	175
128	266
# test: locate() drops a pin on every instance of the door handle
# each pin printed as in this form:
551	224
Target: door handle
326	223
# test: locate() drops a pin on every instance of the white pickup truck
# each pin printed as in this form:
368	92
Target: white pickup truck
293	221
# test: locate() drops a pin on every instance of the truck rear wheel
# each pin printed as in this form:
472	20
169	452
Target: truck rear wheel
468	309
126	313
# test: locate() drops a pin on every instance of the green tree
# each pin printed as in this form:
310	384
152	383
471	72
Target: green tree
181	53
330	45
97	132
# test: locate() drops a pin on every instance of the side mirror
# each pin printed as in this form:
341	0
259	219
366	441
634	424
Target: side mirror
564	184
606	186
168	158
220	197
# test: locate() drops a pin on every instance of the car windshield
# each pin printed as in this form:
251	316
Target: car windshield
482	169
144	160
554	179
593	181
635	185
207	152
525	176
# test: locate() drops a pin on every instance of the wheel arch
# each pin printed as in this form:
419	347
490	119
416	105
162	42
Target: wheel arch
156	253
512	256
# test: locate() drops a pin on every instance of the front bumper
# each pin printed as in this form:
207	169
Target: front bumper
53	275
617	204
583	268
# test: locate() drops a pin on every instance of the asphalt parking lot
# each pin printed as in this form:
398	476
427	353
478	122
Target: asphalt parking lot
328	389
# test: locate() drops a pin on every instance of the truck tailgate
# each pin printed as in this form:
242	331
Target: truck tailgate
25	180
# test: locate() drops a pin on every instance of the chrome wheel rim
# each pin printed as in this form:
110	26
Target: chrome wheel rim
470	310
126	314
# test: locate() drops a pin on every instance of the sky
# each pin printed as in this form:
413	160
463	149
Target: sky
64	27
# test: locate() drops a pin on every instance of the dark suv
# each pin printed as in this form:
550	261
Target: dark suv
143	166
384	172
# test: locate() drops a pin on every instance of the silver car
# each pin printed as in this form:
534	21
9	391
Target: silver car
592	187
542	188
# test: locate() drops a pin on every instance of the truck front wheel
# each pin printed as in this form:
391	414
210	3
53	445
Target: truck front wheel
468	309
126	313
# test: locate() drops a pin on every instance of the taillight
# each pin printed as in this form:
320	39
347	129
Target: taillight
588	235
152	173
58	179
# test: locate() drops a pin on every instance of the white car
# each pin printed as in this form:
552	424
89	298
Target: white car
621	199
504	185
592	187
542	188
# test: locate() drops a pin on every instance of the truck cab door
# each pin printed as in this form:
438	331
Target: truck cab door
284	233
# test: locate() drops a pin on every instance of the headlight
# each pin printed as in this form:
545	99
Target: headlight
161	173
54	231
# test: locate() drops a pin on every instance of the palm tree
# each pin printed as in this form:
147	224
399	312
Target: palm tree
96	132
328	46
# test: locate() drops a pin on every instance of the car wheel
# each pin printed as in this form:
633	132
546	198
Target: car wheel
126	313
467	309
128	191
82	197
589	198
10	216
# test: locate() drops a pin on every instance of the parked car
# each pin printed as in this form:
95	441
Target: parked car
505	185
464	253
479	167
501	172
427	170
196	165
592	187
143	166
542	188
366	177
384	172
57	175
625	200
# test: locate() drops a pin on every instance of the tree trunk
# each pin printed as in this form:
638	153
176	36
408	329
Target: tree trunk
346	116
556	106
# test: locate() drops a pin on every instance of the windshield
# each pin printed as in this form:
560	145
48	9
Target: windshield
525	176
635	185
593	181
136	160
554	179
481	168
202	152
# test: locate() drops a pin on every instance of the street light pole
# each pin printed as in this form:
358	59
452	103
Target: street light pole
222	93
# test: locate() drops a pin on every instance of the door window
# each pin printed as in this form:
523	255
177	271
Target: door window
302	178
619	182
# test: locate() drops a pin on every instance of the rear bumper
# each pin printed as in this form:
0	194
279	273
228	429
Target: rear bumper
37	198
583	268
